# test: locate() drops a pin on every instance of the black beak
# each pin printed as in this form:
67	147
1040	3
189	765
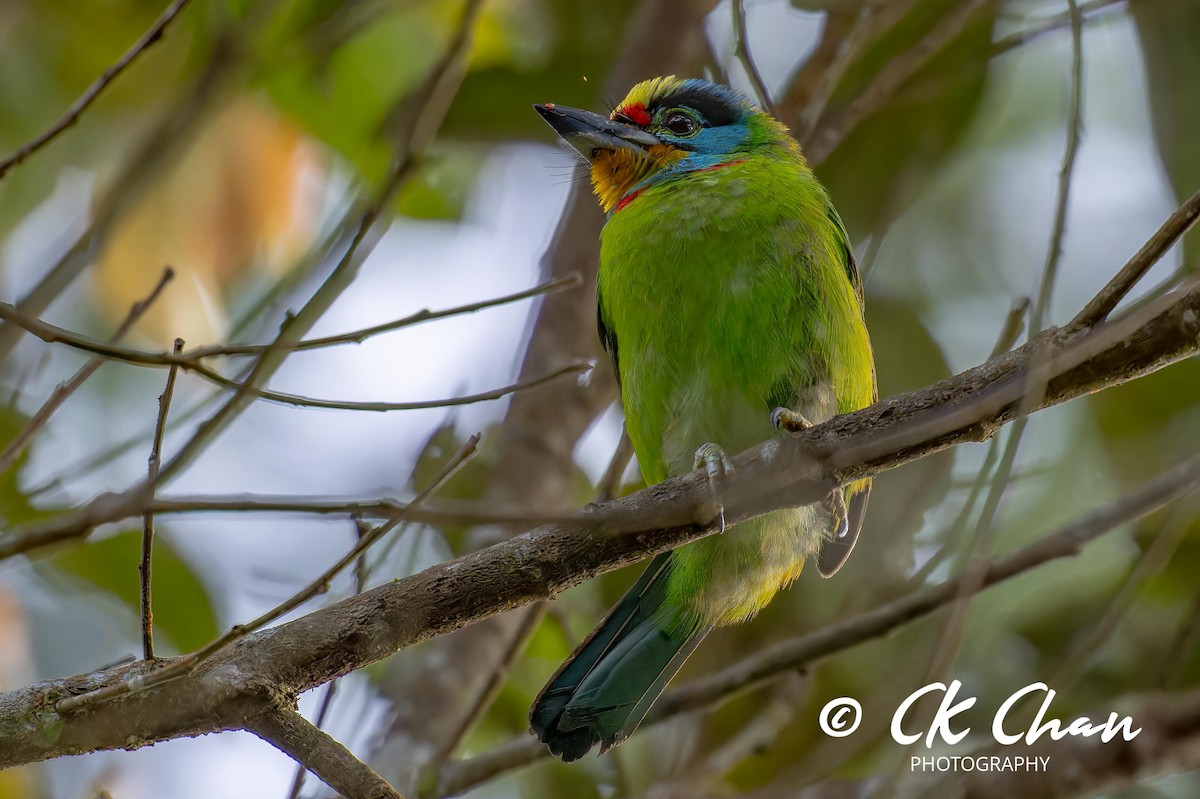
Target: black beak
588	132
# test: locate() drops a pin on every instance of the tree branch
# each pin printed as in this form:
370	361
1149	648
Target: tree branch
304	742
63	392
567	281
891	78
145	568
805	650
72	114
785	471
1177	224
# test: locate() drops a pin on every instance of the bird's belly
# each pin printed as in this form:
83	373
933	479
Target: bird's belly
727	578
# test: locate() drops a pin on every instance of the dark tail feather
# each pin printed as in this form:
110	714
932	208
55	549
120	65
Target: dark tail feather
607	686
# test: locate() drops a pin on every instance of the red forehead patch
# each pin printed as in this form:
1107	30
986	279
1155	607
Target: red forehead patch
634	112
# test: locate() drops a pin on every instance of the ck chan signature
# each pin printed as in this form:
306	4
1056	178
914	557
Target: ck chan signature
841	717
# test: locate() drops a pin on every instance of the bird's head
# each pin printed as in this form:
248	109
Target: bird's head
665	128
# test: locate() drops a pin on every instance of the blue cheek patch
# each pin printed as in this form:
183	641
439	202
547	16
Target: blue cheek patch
710	147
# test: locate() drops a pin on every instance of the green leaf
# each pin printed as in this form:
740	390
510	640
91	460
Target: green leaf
182	609
15	508
439	190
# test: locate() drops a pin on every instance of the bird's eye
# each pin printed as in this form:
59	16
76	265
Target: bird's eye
680	124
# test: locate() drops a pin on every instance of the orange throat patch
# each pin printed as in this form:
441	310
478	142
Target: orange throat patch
615	172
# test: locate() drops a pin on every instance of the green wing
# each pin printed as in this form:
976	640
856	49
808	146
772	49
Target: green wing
608	336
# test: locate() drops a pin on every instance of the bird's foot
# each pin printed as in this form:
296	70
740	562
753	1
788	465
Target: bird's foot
716	465
789	421
835	504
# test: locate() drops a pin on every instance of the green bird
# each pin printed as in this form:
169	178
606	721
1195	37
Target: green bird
731	307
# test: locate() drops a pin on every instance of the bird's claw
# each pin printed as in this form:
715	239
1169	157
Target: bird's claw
716	465
789	421
835	503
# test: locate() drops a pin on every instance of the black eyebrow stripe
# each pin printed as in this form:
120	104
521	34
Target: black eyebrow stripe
715	110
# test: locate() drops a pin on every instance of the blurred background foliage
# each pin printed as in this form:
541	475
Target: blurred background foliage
231	149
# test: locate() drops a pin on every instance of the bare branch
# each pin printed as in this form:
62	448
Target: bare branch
567	281
1151	252
304	742
807	103
145	571
169	136
190	662
72	114
1089	11
783	472
52	334
431	102
64	390
947	650
787	656
741	51
440	512
891	78
361	531
610	481
530	619
1092	635
1014	321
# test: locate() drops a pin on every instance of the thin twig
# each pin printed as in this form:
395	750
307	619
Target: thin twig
868	21
320	585
432	101
320	753
299	401
444	512
1014	322
173	132
361	531
1185	642
610	481
1166	542
191	359
806	650
891	78
791	470
520	636
1089	11
65	389
299	271
72	114
52	334
972	571
969	406
1041	308
145	572
490	689
1100	306
741	51
318	722
562	283
1009	332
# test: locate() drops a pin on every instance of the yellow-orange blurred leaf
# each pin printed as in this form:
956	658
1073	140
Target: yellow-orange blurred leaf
243	198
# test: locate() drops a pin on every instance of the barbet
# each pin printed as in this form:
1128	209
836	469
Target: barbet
731	307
